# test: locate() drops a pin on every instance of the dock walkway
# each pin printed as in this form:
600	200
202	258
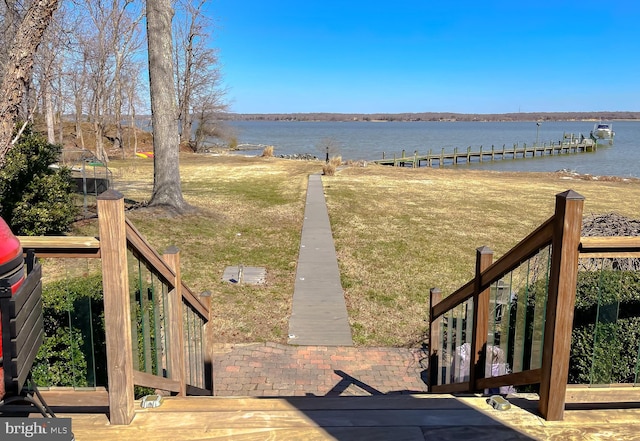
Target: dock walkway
571	145
319	313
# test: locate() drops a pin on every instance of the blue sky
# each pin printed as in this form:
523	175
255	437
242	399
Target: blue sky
283	56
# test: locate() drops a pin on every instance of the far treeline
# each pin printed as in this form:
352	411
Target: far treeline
433	116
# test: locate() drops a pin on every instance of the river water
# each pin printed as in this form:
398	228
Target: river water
369	140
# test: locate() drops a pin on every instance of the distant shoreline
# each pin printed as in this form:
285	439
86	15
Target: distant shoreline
435	117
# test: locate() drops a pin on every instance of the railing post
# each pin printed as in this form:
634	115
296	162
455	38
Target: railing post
435	296
484	258
117	308
175	330
560	304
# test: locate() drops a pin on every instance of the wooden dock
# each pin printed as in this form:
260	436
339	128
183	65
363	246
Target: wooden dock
570	144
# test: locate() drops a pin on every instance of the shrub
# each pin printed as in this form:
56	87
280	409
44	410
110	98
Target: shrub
36	199
267	152
328	169
606	329
233	143
73	352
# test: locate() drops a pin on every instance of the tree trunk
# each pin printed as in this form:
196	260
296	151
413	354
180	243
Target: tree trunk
117	139
101	153
134	128
60	111
48	112
167	190
79	117
17	74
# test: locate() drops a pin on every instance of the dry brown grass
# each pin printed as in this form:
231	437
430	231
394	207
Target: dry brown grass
250	213
398	232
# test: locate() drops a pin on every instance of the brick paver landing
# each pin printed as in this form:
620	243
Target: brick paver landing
272	369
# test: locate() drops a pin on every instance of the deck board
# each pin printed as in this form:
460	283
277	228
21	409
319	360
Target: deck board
402	417
382	402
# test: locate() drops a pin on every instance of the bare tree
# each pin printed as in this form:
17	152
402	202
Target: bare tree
124	44
46	69
167	190
19	66
108	47
205	115
197	73
96	43
133	100
11	12
77	81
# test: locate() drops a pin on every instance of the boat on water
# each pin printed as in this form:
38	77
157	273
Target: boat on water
603	131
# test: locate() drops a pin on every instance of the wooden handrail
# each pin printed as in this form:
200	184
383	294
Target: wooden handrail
562	232
145	252
524	250
464	293
594	247
610	247
608	242
62	246
195	302
118	236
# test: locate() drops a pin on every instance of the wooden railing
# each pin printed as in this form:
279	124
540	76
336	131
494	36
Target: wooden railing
465	315
178	360
562	233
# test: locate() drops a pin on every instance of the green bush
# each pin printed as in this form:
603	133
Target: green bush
34	198
606	330
73	352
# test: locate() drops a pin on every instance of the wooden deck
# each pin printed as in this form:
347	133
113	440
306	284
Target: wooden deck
389	417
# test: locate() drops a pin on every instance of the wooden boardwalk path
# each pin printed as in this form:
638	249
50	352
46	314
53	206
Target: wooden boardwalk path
319	313
569	145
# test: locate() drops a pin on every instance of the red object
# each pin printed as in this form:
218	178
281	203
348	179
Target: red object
11	263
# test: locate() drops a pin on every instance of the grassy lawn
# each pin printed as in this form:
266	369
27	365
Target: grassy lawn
398	232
